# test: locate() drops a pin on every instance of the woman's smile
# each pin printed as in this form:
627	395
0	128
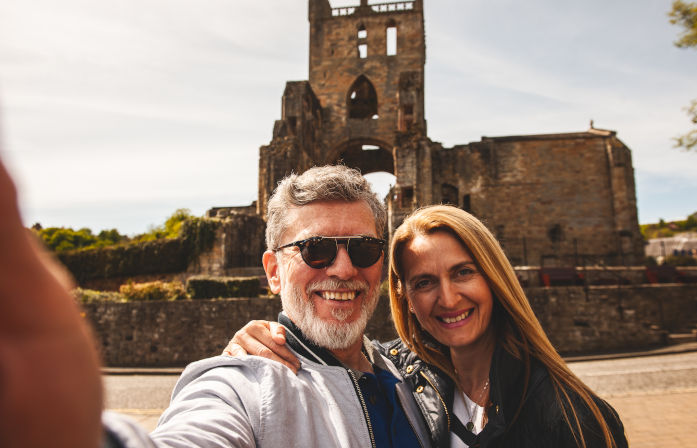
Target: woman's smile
457	317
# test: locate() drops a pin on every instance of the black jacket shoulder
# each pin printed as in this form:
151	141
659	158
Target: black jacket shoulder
519	416
432	389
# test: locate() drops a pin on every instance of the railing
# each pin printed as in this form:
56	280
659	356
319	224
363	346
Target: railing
395	6
343	11
378	7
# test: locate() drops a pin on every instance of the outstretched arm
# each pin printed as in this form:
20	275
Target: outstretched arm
50	385
265	339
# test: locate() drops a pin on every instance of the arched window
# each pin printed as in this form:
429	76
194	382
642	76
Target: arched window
362	100
391	39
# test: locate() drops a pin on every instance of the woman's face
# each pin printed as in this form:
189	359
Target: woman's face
450	298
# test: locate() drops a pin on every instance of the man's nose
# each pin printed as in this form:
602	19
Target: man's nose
342	267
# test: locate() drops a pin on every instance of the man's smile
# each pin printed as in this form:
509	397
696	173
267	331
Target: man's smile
338	295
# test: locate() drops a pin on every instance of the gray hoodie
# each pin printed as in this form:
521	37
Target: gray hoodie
252	401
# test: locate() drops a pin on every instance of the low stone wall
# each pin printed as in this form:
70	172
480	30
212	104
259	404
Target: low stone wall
605	319
576	319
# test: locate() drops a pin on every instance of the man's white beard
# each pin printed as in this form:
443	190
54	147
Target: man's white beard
330	335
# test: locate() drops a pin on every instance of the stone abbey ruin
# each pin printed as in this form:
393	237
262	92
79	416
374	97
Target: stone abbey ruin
563	205
554	199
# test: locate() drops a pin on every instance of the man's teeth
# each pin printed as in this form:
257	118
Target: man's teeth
334	295
451	320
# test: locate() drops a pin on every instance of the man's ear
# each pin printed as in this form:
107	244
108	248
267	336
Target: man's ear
272	271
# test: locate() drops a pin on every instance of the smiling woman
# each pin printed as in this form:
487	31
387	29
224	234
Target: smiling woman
446	292
458	306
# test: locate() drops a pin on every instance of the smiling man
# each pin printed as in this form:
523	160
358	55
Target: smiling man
324	257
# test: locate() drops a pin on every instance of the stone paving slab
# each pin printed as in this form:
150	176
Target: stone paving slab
666	420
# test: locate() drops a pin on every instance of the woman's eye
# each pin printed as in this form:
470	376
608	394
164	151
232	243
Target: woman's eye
421	284
464	272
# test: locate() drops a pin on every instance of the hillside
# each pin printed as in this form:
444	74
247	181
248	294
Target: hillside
664	229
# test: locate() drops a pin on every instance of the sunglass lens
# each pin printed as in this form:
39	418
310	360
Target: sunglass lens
364	253
319	253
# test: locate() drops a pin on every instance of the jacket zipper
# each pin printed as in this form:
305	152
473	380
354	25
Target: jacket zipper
445	408
365	408
418	439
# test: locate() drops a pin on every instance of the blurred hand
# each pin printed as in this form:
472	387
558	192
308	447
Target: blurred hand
265	339
50	384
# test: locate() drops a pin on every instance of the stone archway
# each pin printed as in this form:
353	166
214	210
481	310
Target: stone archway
367	155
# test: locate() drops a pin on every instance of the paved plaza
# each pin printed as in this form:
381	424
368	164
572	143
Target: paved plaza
665	420
656	396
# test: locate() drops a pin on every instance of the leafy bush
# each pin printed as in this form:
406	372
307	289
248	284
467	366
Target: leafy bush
60	239
86	296
205	287
170	229
153	291
199	236
152	257
681	260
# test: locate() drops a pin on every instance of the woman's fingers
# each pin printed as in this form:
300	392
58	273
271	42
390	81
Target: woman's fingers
265	339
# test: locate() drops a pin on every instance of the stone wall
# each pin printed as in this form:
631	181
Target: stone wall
577	320
177	333
601	318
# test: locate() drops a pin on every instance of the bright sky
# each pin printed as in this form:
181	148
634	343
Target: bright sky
116	113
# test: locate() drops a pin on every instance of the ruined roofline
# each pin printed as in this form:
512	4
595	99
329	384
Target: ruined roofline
376	8
591	133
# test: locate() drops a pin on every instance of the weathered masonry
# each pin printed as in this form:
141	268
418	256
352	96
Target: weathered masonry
555	199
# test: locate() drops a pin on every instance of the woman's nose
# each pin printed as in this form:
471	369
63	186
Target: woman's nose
449	296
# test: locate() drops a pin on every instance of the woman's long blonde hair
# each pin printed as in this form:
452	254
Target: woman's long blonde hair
516	328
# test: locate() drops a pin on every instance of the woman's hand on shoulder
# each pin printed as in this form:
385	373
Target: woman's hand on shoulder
265	339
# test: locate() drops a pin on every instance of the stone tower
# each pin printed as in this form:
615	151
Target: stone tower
366	88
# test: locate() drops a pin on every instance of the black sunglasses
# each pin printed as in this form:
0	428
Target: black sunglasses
320	251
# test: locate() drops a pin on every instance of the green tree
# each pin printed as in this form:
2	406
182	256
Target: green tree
170	229
685	15
60	239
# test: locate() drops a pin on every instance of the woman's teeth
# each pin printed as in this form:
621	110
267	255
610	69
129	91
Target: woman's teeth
458	318
334	295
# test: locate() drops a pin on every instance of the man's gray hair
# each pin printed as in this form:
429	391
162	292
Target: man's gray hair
323	183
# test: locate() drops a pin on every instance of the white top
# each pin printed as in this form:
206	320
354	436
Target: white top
461	405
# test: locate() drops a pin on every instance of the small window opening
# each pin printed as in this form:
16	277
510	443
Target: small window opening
362	33
362	99
370	148
466	203
406	117
407	196
555	233
449	194
391	38
363	51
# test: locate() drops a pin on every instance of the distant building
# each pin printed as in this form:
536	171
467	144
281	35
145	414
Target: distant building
681	244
